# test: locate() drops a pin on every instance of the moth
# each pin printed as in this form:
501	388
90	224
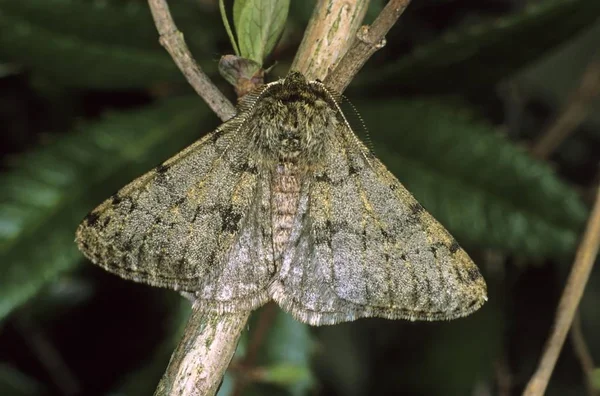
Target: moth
284	202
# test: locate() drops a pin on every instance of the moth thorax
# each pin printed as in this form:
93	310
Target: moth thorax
294	131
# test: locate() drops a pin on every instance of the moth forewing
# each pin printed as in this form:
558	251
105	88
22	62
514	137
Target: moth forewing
285	202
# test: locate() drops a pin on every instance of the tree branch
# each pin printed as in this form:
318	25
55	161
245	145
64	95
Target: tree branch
203	354
368	40
573	114
584	261
172	39
326	36
583	355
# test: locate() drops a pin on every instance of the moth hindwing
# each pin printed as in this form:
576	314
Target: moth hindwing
284	202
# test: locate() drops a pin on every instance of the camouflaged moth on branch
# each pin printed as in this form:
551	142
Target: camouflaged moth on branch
284	202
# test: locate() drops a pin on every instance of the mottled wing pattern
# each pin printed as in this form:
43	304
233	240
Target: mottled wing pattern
362	246
200	222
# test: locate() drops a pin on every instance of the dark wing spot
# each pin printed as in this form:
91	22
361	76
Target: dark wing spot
326	233
454	247
416	208
211	259
162	168
386	235
106	221
230	220
215	135
353	170
323	177
472	304
414	216
116	199
250	168
473	273
433	250
92	219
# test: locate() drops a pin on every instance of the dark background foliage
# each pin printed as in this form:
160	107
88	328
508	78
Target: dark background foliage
89	100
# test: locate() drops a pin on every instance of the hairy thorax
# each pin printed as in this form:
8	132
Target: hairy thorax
292	132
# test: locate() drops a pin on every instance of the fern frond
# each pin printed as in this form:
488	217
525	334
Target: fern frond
487	191
483	53
50	189
96	44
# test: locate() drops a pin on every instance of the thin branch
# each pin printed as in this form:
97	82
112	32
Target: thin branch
583	354
368	40
203	354
504	378
573	114
584	261
173	41
199	362
326	37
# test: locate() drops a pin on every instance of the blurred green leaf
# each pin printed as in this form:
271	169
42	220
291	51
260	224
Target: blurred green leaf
15	383
259	24
343	354
98	45
283	359
460	353
487	191
595	378
482	53
289	344
286	374
50	189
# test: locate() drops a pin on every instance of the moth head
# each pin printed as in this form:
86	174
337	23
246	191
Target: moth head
292	119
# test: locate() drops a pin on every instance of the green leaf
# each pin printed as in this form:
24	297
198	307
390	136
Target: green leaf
460	353
484	189
97	44
259	24
225	20
289	345
283	359
286	374
49	190
595	378
483	53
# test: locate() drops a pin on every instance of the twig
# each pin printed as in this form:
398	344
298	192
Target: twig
573	114
199	362
203	354
503	376
583	354
326	36
172	39
584	261
368	40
